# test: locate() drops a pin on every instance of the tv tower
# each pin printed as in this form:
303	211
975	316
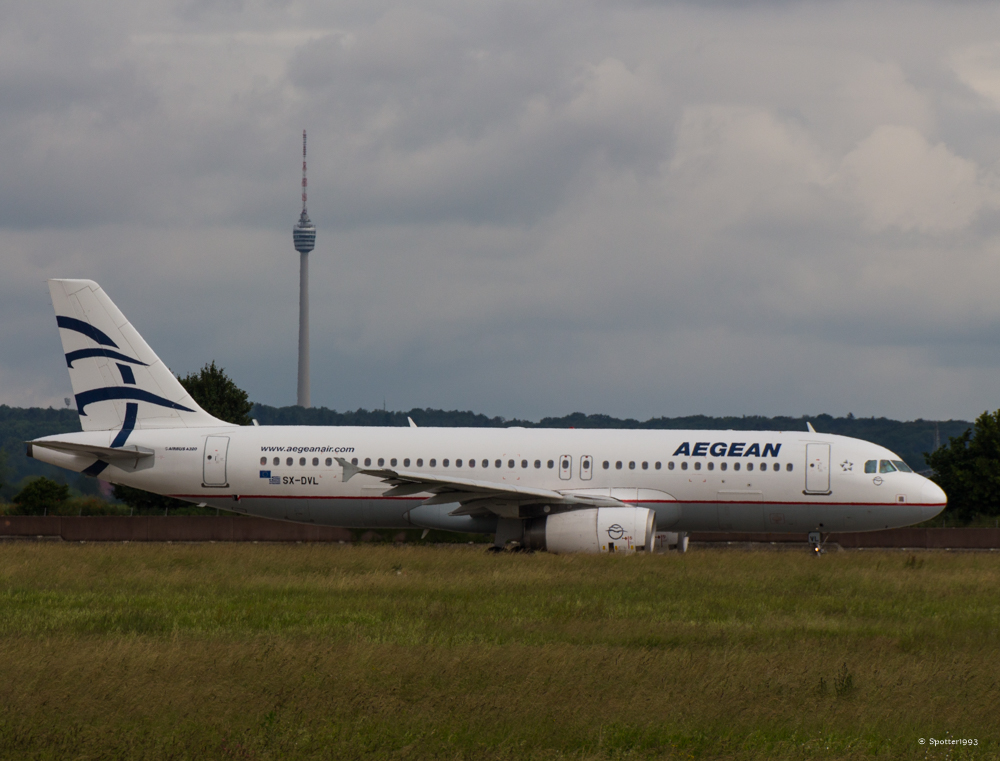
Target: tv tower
304	237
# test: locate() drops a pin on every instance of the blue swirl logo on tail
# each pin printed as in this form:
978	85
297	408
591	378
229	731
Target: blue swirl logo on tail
99	336
110	393
99	465
85	353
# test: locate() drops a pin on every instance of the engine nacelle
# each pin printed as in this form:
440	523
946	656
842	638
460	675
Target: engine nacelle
594	530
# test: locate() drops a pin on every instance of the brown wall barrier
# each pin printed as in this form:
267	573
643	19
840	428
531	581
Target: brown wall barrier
926	538
236	529
114	528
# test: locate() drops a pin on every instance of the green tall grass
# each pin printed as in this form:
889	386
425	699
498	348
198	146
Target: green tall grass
339	651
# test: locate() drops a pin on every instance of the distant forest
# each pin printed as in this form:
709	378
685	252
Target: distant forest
909	439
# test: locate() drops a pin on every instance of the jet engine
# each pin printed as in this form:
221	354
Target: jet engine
594	530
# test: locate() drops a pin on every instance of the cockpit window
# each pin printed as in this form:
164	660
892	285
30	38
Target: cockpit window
886	467
871	466
902	467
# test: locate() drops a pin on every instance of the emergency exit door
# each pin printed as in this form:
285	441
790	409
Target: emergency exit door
565	467
214	471
817	468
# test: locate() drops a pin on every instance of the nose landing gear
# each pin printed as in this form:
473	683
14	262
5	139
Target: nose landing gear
816	543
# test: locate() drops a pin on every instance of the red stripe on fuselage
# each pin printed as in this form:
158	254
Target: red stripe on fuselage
627	502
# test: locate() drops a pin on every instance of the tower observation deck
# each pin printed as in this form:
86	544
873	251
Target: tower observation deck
304	234
304	238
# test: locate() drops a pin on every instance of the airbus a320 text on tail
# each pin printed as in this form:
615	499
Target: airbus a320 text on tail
561	490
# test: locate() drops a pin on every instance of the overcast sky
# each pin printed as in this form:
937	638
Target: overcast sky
523	209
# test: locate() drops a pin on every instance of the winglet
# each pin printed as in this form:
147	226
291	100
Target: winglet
349	470
412	424
810	427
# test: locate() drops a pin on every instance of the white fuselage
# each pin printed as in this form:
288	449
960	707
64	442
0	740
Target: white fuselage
760	481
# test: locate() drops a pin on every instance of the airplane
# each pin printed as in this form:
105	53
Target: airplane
561	490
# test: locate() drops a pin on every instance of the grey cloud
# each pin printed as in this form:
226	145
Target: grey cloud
446	128
640	209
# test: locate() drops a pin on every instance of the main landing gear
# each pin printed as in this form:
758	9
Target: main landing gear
510	531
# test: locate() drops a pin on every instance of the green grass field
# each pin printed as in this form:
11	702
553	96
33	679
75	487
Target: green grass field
374	651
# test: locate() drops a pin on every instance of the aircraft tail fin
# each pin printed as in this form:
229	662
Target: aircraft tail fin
118	381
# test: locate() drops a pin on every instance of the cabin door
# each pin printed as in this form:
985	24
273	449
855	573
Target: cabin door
214	471
817	468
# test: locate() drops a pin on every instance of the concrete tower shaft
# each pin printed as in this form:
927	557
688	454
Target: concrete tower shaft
304	238
303	389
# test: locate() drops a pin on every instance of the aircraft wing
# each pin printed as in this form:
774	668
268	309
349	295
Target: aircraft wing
473	496
104	453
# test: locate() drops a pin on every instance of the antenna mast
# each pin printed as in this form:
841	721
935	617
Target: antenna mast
304	181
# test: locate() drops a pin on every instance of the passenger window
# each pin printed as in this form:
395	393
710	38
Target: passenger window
433	463
711	465
420	462
368	461
871	466
684	465
776	467
302	461
486	463
697	465
551	464
289	461
277	461
607	464
381	461
749	466
670	465
538	464
645	466
886	467
618	465
354	461
315	461
329	461
392	462
458	463
736	466
263	461
524	463
499	463
788	467
510	463
902	466
406	462
472	463
658	465
444	462
723	466
631	465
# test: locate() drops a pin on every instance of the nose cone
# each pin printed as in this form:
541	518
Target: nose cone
932	499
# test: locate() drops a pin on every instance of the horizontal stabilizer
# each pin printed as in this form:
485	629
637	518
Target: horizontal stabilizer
104	453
